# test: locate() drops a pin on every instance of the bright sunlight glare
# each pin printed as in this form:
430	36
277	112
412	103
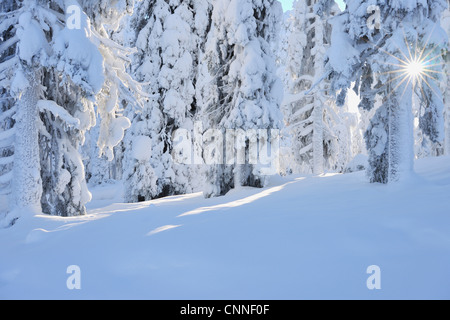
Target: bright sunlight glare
414	69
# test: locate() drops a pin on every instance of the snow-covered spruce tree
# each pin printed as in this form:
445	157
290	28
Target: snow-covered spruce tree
169	36
423	146
424	101
64	70
386	61
239	88
290	55
283	47
104	167
287	162
446	26
319	137
20	80
8	17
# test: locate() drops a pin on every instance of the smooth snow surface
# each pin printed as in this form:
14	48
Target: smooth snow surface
303	237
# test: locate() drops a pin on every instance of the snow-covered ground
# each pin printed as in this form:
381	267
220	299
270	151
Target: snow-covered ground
303	237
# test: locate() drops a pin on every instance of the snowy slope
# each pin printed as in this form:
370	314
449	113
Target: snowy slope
310	237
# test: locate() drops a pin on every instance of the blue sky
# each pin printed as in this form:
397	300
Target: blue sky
287	4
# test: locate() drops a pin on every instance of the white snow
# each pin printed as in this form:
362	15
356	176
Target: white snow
32	39
142	148
79	56
209	67
58	111
301	237
19	83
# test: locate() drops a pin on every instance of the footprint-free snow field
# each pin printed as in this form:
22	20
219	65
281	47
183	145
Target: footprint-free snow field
299	238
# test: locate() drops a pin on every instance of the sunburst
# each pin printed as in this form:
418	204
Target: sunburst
417	67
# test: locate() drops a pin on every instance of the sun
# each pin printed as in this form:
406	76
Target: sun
418	67
415	69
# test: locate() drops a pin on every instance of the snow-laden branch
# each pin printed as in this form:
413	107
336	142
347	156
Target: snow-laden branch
7	114
8	22
59	112
306	149
7	14
7	134
8	64
6	160
8	43
6	177
291	98
302	123
323	77
303	110
48	11
110	43
306	131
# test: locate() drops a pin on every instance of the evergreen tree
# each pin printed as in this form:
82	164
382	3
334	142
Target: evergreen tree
388	60
169	37
64	70
239	89
446	26
8	59
320	139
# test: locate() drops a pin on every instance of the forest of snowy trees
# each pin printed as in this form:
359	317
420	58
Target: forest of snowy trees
181	96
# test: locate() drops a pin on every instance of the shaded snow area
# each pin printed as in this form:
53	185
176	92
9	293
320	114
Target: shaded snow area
302	237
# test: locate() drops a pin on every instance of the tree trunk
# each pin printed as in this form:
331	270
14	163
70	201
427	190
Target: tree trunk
318	155
447	130
401	133
27	181
319	103
447	109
